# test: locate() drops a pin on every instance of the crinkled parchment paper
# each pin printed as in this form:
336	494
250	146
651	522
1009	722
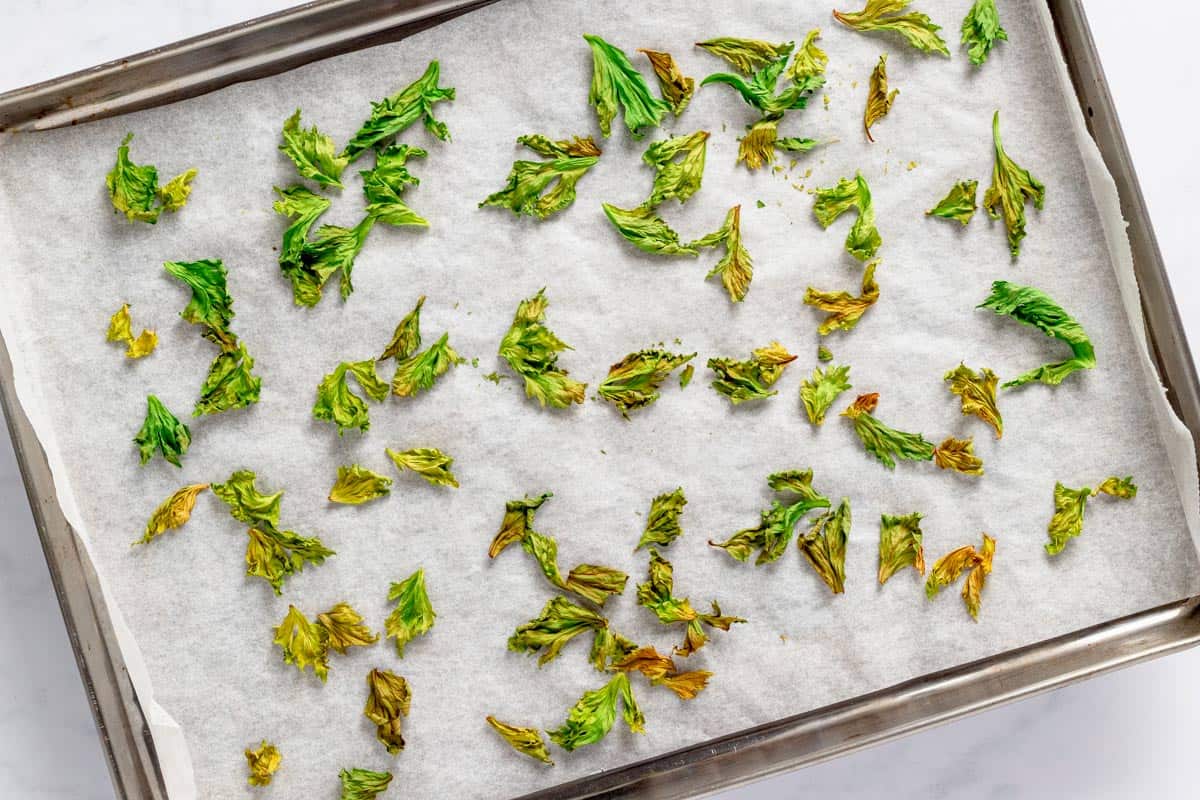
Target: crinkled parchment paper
199	632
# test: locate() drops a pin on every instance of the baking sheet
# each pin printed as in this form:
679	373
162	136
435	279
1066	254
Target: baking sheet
204	630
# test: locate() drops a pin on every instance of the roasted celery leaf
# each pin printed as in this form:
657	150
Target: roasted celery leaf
406	339
356	485
747	55
273	555
541	188
134	190
958	455
518	520
900	545
419	372
844	310
633	381
230	383
879	99
959	203
174	512
593	716
810	60
312	152
245	502
1011	186
676	88
262	762
888	15
395	114
863	240
430	463
384	186
1115	486
163	432
759	92
886	444
532	349
820	391
824	546
388	700
616	83
648	231
660	670
662	523
778	523
304	643
120	329
336	403
547	634
678	167
735	268
978	394
1069	505
1034	307
981	30
750	379
211	305
657	595
344	628
413	615
331	253
949	567
363	784
527	741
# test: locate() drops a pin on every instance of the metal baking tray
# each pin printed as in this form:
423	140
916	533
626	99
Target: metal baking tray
276	43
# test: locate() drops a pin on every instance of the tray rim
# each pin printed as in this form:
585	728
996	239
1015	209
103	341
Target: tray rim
286	39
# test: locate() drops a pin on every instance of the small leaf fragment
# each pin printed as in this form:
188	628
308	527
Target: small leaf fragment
229	384
120	330
162	432
528	741
356	485
633	382
675	87
844	310
263	763
388	700
406	339
616	83
823	354
900	545
750	379
518	520
678	167
1034	307
134	190
1069	505
662	523
174	512
1011	186
981	30
1123	488
879	99
430	463
887	15
819	392
660	670
413	615
959	203
245	502
657	595
384	186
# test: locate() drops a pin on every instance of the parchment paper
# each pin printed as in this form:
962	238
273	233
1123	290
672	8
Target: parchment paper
201	632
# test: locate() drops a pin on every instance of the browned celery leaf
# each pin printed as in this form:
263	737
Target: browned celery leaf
633	382
863	240
747	55
947	569
263	762
304	643
547	634
978	394
662	523
810	60
676	88
1011	186
751	379
660	670
593	716
820	391
1069	505
958	455
887	15
958	204
356	485
900	545
735	268
528	741
541	188
120	329
879	99
589	581
657	595
406	339
532	349
312	152
393	115
824	546
757	148
844	310
413	615
174	512
430	463
777	523
337	404
616	83
344	628
135	192
388	699
886	444
162	432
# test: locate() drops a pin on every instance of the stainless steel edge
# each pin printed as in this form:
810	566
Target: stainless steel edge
279	42
253	49
125	736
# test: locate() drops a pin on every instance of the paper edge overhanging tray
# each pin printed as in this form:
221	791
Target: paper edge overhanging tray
278	42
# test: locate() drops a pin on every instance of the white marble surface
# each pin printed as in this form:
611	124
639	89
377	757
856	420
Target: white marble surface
1128	734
